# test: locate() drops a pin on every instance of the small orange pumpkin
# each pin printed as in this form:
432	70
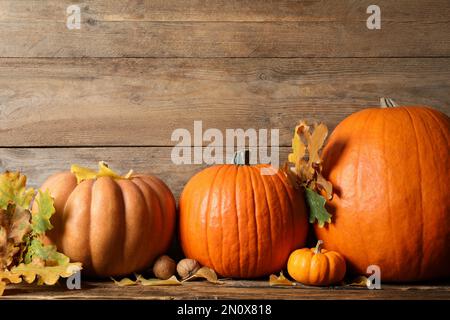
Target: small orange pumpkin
316	266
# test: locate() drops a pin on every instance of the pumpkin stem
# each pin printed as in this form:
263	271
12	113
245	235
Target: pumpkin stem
387	103
242	157
318	247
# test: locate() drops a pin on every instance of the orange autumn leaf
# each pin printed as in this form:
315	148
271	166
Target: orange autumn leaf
280	280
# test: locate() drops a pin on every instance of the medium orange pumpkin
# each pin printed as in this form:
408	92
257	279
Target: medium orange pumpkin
113	226
239	222
390	168
316	266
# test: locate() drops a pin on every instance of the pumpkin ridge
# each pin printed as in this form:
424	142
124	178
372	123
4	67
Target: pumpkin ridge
388	191
247	178
169	199
331	267
308	263
158	196
444	134
187	193
358	188
97	237
186	206
213	182
438	122
279	199
161	214
421	190
150	221
89	227
124	225
63	218
222	182
291	206
324	270
258	254
237	218
266	200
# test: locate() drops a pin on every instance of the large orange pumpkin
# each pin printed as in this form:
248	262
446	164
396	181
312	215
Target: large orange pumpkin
239	222
113	226
390	168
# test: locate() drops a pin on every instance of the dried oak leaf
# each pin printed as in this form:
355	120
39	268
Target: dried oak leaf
360	281
315	142
172	281
307	169
44	255
38	253
281	280
305	154
14	225
82	173
317	210
44	274
205	273
124	282
13	190
41	218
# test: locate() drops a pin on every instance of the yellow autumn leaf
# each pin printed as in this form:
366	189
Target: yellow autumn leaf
11	277
105	171
204	273
298	147
360	281
124	282
304	169
13	190
82	173
14	226
315	142
281	280
46	275
172	281
30	272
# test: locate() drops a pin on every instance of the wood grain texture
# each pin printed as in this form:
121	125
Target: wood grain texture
224	10
224	29
97	102
39	163
252	290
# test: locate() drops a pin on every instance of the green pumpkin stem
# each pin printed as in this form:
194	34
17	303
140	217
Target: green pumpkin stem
242	158
387	103
318	248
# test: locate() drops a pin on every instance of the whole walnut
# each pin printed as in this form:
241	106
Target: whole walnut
164	267
187	267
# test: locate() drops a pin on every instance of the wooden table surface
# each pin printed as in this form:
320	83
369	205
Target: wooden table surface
230	289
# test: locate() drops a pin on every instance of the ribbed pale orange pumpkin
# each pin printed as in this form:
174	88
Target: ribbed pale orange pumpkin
239	222
316	266
390	168
113	226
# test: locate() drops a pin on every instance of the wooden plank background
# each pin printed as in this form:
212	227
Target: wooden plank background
116	89
222	28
